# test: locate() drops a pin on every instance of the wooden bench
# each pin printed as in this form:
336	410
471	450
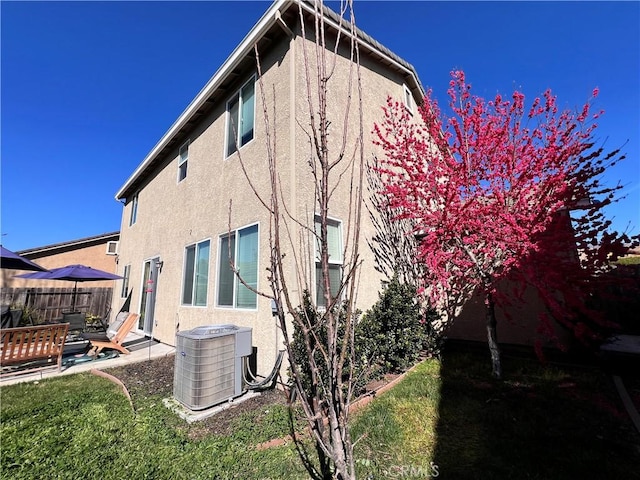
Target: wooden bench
25	344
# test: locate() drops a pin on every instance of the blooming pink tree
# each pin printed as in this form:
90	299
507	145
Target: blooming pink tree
492	192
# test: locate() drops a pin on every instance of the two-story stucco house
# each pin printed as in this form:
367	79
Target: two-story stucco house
175	234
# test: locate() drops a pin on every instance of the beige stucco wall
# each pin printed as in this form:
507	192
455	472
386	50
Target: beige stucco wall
377	84
517	324
216	195
173	215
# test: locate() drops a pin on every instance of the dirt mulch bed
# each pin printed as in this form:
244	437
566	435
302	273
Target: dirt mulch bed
147	378
155	378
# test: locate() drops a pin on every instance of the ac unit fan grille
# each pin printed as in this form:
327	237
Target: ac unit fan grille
204	371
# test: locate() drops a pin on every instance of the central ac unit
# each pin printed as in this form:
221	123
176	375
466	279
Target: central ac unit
208	364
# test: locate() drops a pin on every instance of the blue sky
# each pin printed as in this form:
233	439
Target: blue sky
88	88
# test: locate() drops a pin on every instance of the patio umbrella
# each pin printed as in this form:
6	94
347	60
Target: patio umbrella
9	259
72	273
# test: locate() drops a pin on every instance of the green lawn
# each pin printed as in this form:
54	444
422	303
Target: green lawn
629	260
449	418
82	426
538	423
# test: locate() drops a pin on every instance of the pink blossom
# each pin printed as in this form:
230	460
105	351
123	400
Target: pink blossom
494	185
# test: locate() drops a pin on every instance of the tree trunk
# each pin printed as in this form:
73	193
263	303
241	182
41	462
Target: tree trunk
492	336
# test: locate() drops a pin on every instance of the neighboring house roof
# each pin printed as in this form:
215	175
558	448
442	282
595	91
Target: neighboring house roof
70	245
274	21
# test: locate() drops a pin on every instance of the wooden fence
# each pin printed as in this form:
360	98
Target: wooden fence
48	304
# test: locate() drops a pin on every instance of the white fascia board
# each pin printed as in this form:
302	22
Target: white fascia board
236	56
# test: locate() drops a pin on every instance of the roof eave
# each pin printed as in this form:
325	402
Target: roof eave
40	251
239	53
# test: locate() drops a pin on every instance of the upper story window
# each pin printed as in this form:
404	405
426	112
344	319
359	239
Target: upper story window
182	161
408	99
240	118
242	246
112	248
196	274
134	210
334	245
125	281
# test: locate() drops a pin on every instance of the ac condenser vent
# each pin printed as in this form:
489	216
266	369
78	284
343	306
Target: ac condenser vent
208	364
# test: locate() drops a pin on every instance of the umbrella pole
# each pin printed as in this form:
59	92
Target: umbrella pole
73	298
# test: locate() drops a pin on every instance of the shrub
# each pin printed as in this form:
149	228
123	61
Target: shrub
389	338
394	331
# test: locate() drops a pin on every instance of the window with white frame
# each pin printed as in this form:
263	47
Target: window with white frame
125	281
408	99
183	159
134	210
240	117
196	274
112	248
334	246
242	247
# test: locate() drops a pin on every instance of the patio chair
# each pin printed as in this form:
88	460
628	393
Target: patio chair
114	337
5	317
11	317
100	324
104	319
77	321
